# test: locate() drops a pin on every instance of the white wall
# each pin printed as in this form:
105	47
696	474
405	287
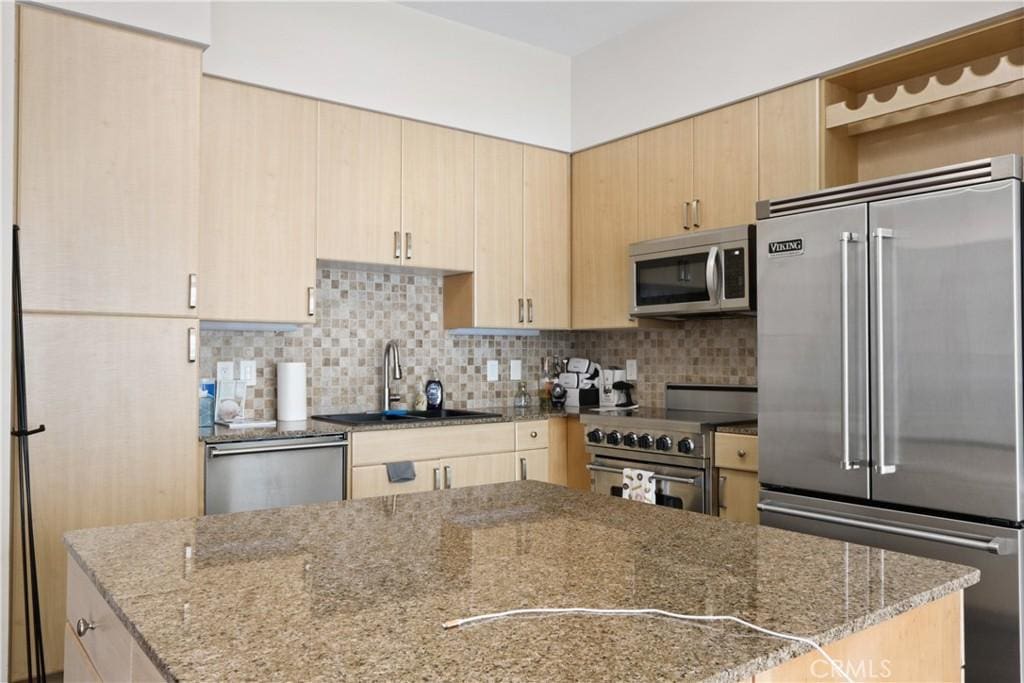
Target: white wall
7	44
713	53
391	58
186	19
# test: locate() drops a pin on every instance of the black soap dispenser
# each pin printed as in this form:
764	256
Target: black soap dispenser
435	392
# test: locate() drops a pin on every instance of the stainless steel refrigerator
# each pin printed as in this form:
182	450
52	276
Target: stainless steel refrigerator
890	375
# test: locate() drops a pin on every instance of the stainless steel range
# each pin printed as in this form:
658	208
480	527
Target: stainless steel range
675	443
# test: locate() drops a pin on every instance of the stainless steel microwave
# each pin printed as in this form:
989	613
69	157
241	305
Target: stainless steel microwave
710	272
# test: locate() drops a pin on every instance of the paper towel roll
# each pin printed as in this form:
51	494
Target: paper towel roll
291	391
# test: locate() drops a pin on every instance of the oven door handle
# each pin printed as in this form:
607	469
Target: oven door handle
693	481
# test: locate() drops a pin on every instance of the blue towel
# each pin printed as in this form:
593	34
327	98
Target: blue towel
401	471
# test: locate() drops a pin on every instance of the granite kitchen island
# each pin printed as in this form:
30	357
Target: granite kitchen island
360	589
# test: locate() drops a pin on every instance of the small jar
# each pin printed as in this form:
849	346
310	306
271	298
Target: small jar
522	396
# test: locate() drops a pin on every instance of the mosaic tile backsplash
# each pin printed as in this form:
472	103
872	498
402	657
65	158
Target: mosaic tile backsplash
359	310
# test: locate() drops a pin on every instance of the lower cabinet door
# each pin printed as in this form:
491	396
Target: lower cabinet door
370	481
474	470
532	464
737	495
77	667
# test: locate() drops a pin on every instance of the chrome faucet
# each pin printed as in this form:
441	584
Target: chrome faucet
392	370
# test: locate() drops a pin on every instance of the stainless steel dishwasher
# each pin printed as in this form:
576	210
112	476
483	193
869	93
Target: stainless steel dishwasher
255	475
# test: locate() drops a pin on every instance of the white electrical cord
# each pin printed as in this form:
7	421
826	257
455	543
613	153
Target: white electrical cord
455	623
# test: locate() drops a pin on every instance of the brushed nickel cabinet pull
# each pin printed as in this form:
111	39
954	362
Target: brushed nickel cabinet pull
696	213
721	494
522	468
742	453
193	290
83	626
191	345
533	435
408	246
529	309
437	478
311	300
520	310
686	215
447	476
398	244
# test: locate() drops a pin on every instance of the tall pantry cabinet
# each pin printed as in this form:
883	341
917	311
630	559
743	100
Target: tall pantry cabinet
108	202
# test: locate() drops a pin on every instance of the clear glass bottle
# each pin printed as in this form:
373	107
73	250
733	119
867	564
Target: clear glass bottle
522	396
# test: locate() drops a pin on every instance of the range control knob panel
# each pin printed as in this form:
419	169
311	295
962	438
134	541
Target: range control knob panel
664	443
686	446
629	440
614	438
646	441
595	436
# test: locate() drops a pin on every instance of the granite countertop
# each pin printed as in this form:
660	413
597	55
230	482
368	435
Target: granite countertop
310	427
748	428
359	589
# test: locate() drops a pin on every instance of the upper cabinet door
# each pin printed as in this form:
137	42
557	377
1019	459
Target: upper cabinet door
108	167
604	223
258	203
787	138
437	197
359	186
725	166
666	180
546	238
499	233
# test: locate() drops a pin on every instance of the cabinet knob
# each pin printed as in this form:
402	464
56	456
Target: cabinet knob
533	435
83	626
742	453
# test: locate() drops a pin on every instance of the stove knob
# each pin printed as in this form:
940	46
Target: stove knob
613	438
595	436
629	440
686	446
646	441
664	443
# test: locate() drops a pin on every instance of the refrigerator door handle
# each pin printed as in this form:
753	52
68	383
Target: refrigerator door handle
711	274
880	235
995	546
844	305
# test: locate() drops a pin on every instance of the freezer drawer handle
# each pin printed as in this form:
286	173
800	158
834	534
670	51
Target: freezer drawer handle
693	481
880	235
844	306
219	452
996	546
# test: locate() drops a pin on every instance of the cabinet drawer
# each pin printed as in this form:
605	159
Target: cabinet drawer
77	667
108	644
143	669
428	443
532	434
736	451
369	481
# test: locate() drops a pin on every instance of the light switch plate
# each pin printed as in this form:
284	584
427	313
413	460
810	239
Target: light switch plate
515	370
492	371
631	369
225	369
247	372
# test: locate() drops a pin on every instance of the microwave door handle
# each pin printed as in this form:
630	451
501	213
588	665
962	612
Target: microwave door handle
711	274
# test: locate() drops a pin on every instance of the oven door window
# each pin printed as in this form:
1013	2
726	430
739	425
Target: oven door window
672	280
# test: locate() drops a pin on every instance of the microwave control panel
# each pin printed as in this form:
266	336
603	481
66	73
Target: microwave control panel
734	273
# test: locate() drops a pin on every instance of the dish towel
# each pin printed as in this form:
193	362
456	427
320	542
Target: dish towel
401	471
638	485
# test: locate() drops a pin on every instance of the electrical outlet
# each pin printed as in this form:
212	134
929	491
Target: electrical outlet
492	371
247	372
515	370
631	373
225	369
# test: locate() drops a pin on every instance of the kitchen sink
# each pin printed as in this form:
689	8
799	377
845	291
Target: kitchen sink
410	416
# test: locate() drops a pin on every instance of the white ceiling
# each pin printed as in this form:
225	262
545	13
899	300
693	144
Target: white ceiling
568	28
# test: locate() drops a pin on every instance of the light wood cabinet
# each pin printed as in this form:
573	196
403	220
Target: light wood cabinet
437	197
725	166
108	167
370	481
788	141
258	231
77	667
532	465
431	443
738	488
558	445
666	180
604	223
532	457
476	470
546	238
107	456
359	186
577	474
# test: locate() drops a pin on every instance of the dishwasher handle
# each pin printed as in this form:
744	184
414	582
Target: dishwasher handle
996	546
215	452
